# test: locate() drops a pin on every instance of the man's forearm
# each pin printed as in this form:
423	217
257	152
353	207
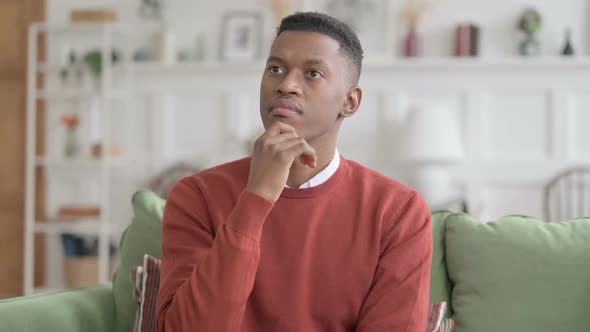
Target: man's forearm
212	295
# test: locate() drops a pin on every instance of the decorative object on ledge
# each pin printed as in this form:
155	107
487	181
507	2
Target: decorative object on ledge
151	9
93	59
367	18
93	16
530	23
413	12
467	40
166	46
241	36
74	212
113	152
281	8
568	48
81	260
72	145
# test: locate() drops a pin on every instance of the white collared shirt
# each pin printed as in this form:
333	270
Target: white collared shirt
325	174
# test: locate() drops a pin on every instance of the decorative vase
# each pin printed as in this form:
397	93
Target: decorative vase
411	43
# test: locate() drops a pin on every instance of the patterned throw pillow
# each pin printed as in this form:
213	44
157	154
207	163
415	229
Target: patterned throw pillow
447	325
436	318
436	313
146	281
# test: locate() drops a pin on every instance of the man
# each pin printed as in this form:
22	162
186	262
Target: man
297	238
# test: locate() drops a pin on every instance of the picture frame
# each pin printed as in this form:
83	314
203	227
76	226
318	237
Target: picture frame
241	36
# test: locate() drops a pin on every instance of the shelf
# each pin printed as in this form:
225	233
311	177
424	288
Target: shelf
91	226
379	63
510	62
55	69
94	27
76	94
78	162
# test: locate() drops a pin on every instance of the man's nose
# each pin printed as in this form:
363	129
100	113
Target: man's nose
290	84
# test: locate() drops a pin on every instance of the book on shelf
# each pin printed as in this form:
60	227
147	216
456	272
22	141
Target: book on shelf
467	40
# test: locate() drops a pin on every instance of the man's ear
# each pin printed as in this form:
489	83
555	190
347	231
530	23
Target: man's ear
353	101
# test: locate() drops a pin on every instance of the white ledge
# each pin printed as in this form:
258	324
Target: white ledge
375	64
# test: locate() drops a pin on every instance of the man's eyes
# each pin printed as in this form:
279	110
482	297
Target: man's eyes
315	74
276	70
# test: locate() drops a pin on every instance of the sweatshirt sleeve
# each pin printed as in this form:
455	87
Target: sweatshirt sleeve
207	274
400	295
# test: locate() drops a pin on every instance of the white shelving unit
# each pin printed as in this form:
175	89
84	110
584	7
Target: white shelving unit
101	167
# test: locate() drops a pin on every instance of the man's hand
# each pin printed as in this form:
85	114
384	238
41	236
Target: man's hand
274	153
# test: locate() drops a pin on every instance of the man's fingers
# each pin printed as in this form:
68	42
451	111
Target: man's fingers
276	129
289	143
280	138
309	160
301	149
283	137
279	127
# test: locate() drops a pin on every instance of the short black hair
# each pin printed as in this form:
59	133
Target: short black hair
349	42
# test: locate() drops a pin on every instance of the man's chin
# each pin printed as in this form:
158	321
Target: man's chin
288	120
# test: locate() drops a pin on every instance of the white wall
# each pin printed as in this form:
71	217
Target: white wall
184	96
518	127
182	105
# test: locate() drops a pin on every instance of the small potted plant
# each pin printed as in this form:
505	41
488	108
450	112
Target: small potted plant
530	24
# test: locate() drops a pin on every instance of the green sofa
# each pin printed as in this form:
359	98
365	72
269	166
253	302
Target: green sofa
514	274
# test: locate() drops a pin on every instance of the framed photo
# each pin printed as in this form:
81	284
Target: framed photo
241	36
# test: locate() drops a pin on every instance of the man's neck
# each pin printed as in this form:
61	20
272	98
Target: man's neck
300	173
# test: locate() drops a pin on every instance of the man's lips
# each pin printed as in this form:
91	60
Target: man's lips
282	111
285	108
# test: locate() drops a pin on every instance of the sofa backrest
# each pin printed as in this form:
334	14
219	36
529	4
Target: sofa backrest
440	285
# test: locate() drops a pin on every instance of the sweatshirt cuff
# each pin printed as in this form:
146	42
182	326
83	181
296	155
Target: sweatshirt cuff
249	214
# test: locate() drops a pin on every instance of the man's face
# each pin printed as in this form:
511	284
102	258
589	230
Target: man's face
305	84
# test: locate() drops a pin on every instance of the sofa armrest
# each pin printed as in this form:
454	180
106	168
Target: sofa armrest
89	309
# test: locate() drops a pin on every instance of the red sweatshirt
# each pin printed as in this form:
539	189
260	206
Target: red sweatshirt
351	254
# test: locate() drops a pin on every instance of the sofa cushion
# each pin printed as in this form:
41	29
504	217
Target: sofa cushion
440	286
519	274
89	309
143	236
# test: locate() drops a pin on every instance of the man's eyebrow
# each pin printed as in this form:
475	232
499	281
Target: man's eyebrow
309	62
316	62
273	58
